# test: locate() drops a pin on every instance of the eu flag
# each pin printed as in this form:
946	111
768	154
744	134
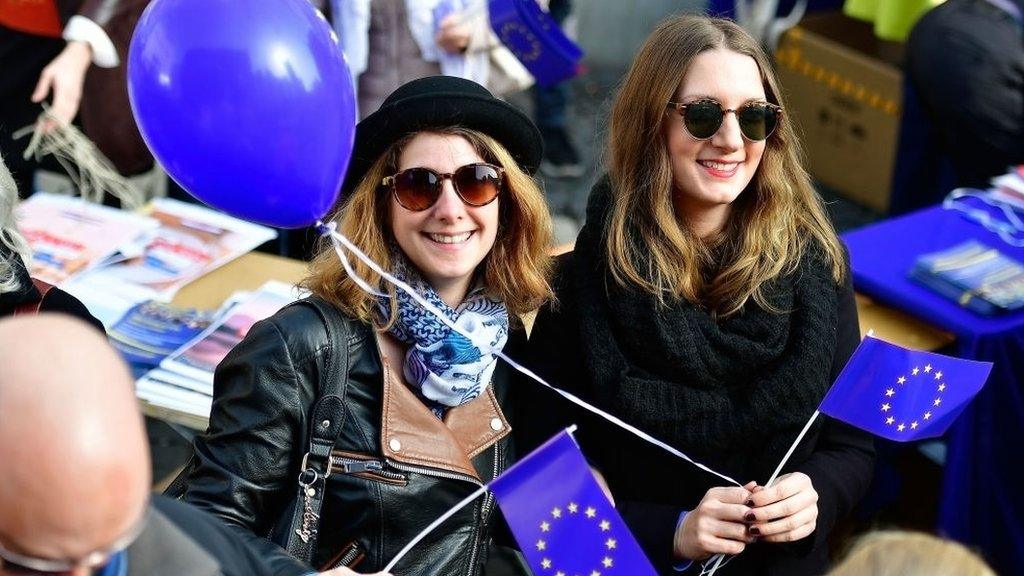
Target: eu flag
903	394
562	520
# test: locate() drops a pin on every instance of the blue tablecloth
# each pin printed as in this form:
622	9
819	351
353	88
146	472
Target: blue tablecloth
982	502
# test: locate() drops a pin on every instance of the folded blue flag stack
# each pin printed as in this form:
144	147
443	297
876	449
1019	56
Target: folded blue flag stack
978	277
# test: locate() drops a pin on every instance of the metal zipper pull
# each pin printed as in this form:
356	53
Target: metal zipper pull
356	466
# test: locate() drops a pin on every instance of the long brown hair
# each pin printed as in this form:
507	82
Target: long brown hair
515	271
770	224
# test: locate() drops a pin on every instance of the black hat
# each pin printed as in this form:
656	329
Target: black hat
438	102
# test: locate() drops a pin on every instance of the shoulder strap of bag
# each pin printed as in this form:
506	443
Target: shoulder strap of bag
326	420
34	306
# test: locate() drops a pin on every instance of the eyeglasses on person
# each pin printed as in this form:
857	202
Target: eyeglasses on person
15	563
703	118
418	189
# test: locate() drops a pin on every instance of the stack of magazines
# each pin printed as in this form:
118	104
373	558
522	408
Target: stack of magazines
151	331
113	260
978	277
183	381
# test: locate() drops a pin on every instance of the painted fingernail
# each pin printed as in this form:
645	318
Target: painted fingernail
750	503
755	531
750	517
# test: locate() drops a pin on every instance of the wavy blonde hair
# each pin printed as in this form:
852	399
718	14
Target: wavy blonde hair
516	271
9	234
904	553
770	225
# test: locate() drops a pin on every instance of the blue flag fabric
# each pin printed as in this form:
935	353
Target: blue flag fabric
902	394
562	520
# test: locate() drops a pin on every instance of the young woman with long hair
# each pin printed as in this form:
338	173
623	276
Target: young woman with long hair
708	302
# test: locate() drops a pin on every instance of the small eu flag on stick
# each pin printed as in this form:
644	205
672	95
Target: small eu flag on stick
898	394
902	394
564	523
895	393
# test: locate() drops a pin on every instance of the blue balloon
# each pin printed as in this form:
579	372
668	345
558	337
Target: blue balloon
247	104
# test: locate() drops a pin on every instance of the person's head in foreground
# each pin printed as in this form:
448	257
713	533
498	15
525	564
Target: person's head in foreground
705	171
75	478
899	553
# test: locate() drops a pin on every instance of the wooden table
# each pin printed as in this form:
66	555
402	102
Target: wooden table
899	328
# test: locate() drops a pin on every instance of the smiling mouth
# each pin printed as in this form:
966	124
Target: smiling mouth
449	238
723	166
720	169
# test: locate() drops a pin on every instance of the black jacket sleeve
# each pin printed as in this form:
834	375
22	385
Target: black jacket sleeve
236	556
57	300
247	461
842	464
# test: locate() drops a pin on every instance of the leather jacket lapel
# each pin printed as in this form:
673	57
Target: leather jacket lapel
410	433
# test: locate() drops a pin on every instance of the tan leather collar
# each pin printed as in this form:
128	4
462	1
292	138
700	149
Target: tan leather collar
410	432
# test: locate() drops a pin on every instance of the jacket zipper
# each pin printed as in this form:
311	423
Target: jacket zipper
450	476
433	472
352	466
347	558
484	512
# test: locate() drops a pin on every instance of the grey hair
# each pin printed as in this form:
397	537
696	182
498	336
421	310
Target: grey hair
9	234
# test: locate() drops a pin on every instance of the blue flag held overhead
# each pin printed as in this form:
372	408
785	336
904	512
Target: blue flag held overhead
562	520
902	394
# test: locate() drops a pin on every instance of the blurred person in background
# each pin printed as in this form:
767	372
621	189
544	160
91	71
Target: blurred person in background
965	66
390	42
550	108
47	49
900	553
19	293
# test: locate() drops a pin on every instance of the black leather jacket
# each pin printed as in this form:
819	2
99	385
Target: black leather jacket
405	467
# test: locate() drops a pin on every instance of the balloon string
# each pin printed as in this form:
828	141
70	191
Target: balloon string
340	241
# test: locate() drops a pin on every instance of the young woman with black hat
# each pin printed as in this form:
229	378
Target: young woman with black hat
439	192
708	302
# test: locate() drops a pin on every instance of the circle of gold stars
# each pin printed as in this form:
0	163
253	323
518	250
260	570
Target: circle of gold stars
588	512
890	393
511	29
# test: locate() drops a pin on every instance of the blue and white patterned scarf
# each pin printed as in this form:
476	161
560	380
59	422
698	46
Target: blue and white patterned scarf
444	367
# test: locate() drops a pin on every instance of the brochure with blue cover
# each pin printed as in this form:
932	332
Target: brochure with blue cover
978	277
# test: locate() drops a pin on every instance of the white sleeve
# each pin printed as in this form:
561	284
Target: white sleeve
81	29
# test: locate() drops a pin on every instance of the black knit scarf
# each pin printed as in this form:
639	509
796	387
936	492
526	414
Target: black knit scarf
732	392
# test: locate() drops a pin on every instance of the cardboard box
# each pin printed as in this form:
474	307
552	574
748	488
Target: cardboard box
843	90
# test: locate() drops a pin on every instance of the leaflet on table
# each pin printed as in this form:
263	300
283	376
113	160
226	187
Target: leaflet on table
198	359
69	235
106	298
191	241
153	388
150	331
